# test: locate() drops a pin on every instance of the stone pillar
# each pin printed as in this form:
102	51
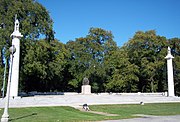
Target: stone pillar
15	67
169	58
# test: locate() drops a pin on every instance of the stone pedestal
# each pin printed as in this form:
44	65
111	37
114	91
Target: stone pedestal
86	89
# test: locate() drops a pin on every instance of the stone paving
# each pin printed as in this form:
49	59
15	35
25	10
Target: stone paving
76	100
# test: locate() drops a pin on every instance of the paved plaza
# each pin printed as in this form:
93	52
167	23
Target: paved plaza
76	100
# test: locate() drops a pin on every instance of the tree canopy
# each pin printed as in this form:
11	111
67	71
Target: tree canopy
88	58
35	23
147	51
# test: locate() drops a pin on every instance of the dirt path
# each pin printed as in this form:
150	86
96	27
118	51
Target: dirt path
95	112
102	113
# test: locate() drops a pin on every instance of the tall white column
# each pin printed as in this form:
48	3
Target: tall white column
169	58
15	68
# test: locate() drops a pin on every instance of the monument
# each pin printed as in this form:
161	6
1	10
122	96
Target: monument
169	58
13	78
15	67
86	88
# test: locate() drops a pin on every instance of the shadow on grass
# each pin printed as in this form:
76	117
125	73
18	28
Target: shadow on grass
21	117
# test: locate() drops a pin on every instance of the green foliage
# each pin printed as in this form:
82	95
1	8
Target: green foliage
34	18
147	51
43	66
48	65
87	57
35	23
124	78
175	50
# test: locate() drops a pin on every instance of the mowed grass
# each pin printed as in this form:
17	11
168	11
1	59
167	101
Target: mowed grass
52	114
68	114
127	111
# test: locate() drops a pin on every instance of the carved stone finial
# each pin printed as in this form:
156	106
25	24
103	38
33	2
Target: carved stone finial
169	50
169	56
16	32
16	26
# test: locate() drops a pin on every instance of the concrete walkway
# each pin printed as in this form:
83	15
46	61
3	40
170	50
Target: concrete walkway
76	100
149	119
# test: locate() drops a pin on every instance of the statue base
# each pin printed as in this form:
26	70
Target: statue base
85	89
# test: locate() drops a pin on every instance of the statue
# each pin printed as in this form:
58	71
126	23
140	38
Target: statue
85	88
85	81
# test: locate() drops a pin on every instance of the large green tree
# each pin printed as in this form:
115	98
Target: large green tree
87	58
43	66
35	23
147	50
34	19
174	43
123	77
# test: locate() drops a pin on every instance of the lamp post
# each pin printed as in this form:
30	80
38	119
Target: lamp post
5	116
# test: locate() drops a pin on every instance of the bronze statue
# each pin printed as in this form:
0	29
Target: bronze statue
85	81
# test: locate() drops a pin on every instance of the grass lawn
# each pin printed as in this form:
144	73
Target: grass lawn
52	114
127	111
68	114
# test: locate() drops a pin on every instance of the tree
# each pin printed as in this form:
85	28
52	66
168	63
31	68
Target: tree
57	72
87	58
34	19
35	66
35	23
174	43
43	66
147	50
123	78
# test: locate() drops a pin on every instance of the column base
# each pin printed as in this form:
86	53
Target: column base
5	118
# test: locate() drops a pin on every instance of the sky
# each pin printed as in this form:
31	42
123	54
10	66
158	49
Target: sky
73	18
